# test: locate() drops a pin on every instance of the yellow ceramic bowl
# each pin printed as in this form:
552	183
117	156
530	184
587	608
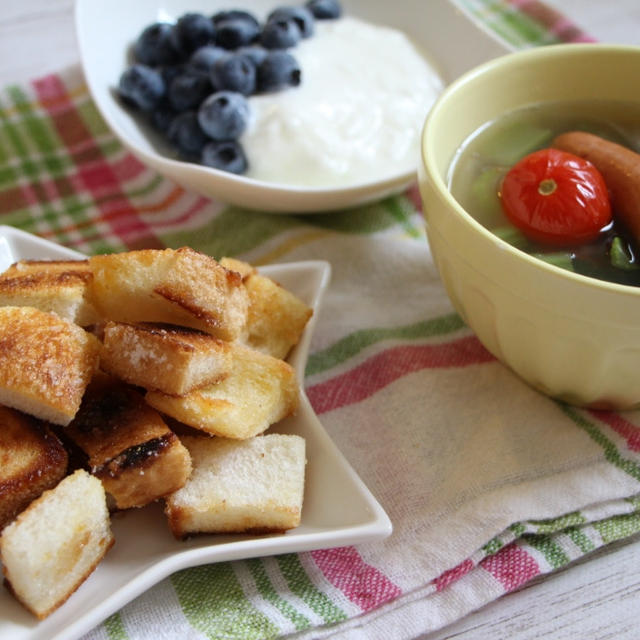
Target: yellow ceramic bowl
569	336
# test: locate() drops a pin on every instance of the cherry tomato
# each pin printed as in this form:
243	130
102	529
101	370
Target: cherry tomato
556	198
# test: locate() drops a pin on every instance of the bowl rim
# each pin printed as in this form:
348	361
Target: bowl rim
565	50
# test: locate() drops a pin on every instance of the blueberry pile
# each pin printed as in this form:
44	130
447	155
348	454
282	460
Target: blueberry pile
192	79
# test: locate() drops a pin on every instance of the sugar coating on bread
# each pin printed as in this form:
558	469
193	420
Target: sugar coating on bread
276	317
57	286
32	459
128	444
174	286
259	391
46	363
240	486
56	543
171	359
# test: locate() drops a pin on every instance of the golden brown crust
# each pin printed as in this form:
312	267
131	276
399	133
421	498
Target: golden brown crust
57	286
276	317
183	287
180	523
32	460
259	391
174	360
129	447
23	267
46	363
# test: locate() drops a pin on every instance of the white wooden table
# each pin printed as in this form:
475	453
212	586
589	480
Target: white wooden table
595	599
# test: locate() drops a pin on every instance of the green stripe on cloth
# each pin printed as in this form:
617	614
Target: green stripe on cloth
233	232
37	129
213	602
114	628
558	524
93	120
371	218
618	527
302	586
493	546
552	552
581	539
267	591
403	212
517	28
610	450
352	344
236	231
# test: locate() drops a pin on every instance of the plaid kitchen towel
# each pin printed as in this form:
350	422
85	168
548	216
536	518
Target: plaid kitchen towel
488	483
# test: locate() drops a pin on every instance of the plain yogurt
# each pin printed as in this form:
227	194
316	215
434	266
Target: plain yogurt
357	115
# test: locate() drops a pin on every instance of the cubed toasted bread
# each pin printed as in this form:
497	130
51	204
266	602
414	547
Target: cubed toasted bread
46	363
276	317
171	359
259	391
240	486
56	543
57	286
182	287
128	444
32	459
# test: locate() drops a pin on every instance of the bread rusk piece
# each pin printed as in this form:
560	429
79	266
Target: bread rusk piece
32	459
240	486
56	542
57	286
46	363
128	445
173	286
259	391
171	359
276	317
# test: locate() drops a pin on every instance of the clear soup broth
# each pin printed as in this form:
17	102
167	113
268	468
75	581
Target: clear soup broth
484	159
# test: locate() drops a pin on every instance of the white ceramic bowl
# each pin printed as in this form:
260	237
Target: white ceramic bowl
106	30
570	336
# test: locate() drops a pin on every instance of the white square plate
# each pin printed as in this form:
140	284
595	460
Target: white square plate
338	509
446	35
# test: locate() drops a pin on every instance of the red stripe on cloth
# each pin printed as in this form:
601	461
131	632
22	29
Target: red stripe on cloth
444	580
512	566
629	431
386	367
128	168
364	585
554	21
98	177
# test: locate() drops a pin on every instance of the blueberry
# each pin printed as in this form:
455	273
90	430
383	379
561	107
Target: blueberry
141	86
154	45
278	70
162	115
300	15
185	134
234	72
236	32
325	9
188	90
170	72
192	31
234	14
255	52
203	59
227	155
280	33
224	115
